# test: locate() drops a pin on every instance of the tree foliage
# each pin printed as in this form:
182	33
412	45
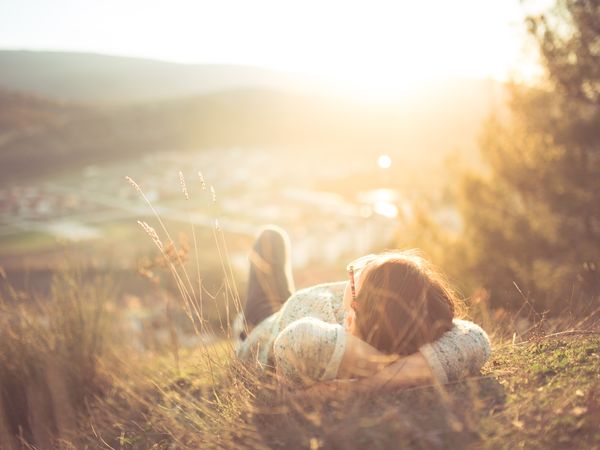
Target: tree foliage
533	219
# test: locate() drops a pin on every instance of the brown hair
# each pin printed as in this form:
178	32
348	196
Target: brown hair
403	303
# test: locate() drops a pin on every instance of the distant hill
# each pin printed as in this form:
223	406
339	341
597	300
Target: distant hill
86	77
22	112
62	135
84	108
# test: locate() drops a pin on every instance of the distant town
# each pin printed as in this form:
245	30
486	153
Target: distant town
251	188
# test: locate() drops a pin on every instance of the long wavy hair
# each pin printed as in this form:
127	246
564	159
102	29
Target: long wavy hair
403	303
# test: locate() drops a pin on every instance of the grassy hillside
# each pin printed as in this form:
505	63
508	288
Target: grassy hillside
543	394
72	379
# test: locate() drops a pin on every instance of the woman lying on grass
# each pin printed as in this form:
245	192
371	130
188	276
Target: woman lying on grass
392	322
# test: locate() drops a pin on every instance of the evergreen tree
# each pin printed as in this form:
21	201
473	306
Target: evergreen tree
533	220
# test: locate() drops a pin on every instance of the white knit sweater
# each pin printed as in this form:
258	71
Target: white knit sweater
306	339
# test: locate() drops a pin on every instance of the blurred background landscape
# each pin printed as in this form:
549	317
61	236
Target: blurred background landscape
469	130
472	137
342	174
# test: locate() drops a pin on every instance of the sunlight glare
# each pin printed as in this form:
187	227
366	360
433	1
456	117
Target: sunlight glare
388	210
382	201
378	49
384	161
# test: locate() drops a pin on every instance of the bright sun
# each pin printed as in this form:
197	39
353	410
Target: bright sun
384	161
384	49
376	48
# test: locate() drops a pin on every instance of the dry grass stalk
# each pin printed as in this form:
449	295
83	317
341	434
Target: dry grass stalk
202	183
64	413
152	233
7	441
186	288
183	186
193	302
41	417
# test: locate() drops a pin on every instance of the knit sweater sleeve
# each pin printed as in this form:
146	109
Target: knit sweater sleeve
309	350
460	352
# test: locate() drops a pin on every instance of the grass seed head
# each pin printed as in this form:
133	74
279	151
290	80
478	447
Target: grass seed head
183	186
134	184
202	182
152	233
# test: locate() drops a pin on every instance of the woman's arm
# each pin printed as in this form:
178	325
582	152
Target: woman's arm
311	350
461	351
412	370
377	369
361	359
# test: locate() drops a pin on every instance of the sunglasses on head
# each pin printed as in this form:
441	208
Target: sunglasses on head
356	266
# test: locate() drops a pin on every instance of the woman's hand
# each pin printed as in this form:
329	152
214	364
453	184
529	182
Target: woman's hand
408	371
362	360
334	389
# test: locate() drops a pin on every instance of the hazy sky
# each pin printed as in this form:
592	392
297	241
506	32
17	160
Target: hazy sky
367	44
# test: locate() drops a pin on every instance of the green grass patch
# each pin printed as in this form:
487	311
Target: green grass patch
27	242
552	395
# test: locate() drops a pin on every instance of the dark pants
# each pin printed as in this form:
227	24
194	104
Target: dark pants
270	281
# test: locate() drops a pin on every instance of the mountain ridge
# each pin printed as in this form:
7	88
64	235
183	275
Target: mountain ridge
98	78
40	133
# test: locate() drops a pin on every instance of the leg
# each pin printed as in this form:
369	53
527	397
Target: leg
270	282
